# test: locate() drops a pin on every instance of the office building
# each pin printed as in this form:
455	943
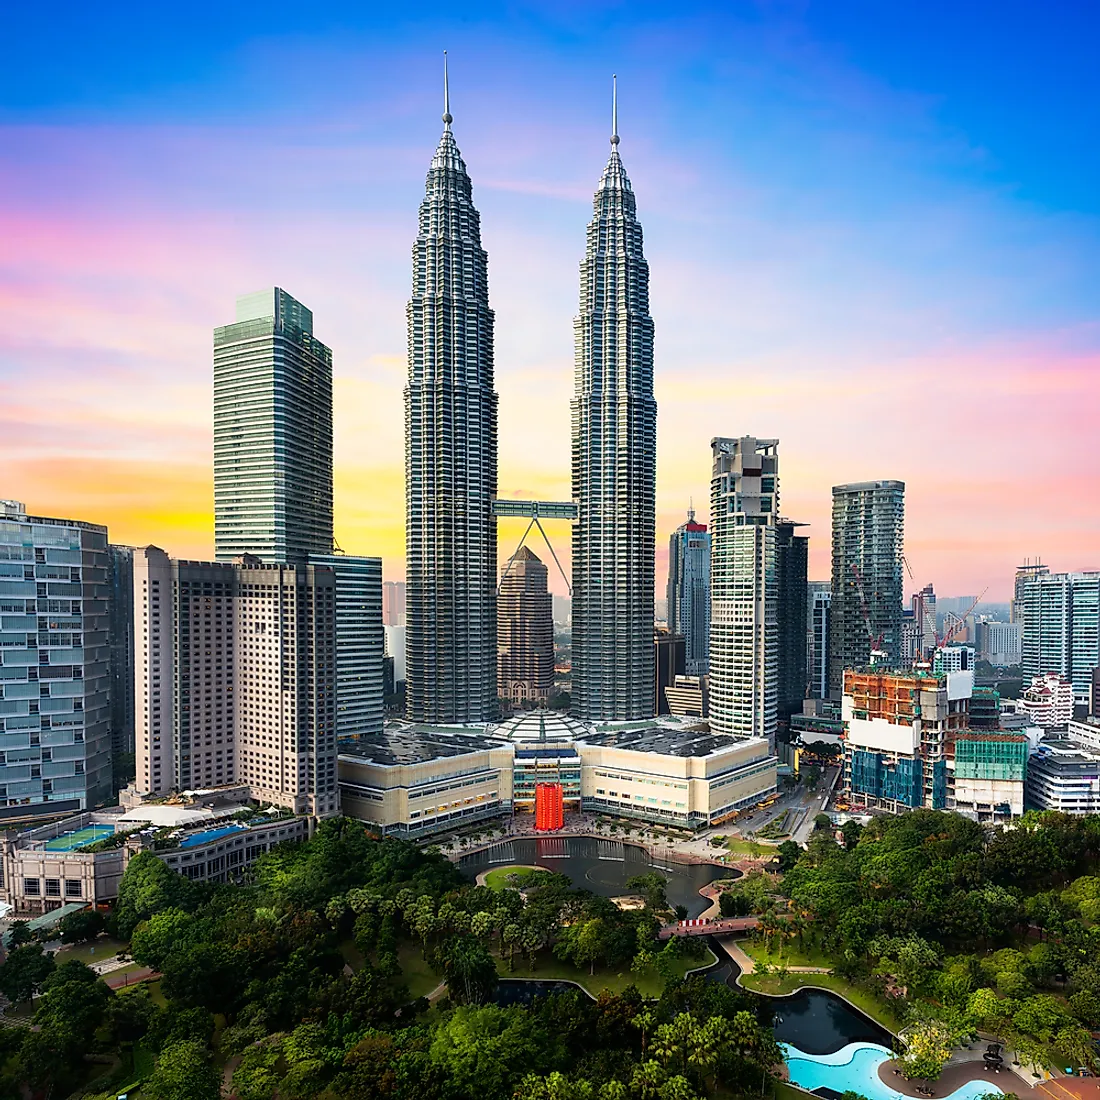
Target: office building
450	457
955	658
817	657
563	611
272	433
924	617
688	601
393	603
865	611
55	718
688	697
360	643
236	678
395	648
525	632
120	613
669	660
1063	772
792	593
744	631
998	643
1061	627
614	428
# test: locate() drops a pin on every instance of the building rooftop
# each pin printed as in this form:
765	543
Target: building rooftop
665	740
400	744
542	726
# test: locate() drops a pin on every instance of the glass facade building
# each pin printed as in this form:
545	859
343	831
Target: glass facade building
55	721
689	591
614	429
272	433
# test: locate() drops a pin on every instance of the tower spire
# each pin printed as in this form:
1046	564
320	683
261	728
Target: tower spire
614	109
447	120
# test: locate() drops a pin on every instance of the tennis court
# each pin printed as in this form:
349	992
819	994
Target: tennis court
66	842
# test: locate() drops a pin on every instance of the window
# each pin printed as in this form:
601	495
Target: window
53	887
72	888
31	887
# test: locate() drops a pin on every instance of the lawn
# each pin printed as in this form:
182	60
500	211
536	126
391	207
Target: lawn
786	953
861	998
755	849
649	984
415	972
497	878
97	951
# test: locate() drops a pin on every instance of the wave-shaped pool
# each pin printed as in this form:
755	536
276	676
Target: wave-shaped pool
855	1067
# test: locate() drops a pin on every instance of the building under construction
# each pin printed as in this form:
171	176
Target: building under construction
908	744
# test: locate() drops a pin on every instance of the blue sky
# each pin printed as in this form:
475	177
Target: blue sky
872	228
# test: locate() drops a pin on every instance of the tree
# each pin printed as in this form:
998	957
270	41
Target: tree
822	821
652	888
468	969
81	927
24	972
183	1072
788	852
163	934
20	934
851	830
149	886
927	1050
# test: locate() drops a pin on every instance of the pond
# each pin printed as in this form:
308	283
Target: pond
602	866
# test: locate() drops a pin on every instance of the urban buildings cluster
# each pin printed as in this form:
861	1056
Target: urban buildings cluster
286	671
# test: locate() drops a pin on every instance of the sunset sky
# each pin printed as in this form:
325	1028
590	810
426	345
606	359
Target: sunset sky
872	231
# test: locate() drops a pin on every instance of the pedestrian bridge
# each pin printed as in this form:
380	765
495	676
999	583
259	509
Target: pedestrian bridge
700	926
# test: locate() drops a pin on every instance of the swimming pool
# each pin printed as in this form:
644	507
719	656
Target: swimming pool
209	835
66	842
855	1067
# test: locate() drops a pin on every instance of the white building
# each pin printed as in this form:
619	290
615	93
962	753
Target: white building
1064	771
395	648
956	658
235	669
744	631
999	643
416	780
1048	701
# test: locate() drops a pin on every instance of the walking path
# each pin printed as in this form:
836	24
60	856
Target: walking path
955	1076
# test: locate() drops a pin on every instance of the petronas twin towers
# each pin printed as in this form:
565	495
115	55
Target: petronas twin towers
451	460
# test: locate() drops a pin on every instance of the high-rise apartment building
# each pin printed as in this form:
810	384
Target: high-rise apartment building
393	603
998	643
272	433
55	721
817	656
120	614
360	644
744	629
614	427
791	566
1061	627
924	617
865	611
525	631
236	678
689	590
450	457
1024	573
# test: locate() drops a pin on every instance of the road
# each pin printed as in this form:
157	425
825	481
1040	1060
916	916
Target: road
803	804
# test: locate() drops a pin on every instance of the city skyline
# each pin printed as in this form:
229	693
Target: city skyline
104	354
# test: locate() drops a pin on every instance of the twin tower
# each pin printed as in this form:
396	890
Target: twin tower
451	460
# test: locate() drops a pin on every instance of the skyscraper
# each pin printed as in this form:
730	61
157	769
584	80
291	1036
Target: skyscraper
525	632
393	603
614	423
236	678
1061	627
817	657
272	433
744	629
120	611
868	529
55	674
689	591
450	456
1024	573
791	563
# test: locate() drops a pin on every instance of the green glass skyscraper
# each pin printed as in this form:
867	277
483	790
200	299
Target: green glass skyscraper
272	432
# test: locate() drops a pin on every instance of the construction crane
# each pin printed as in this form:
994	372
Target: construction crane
876	643
957	626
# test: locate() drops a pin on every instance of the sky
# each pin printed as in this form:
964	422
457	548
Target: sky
873	232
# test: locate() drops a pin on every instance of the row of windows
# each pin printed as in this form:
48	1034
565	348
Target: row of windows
32	888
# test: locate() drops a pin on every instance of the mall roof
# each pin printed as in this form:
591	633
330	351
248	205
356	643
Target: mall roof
664	740
414	744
